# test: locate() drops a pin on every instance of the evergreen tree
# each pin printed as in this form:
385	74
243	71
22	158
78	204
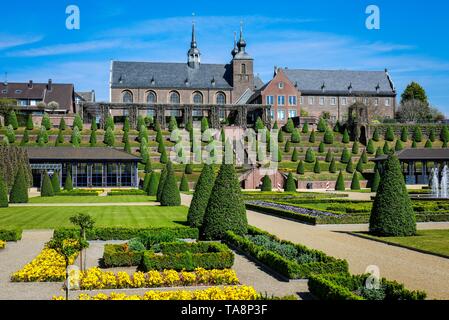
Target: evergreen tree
188	169
295	155
370	147
127	146
204	124
146	182
337	126
300	167
55	183
355	183
364	157
355	147
321	147
305	128
296	137
350	167
259	124
414	92
329	156
345	155
328	137
404	134
76	137
398	146
148	166
444	134
287	147
389	134
126	125
157	126
290	184
359	166
312	136
10	134
417	134
276	126
140	123
47	188
226	209
428	144
46	123
266	184
414	144
19	190
93	125
77	122
392	212
170	196
143	133
203	189
93	138
375	182
109	137
62	125
173	124
345	138
280	136
379	152
386	148
376	137
163	158
152	186
322	125
340	184
444	145
25	138
161	183
310	156
3	193
432	135
184	186
30	124
289	126
317	167
40	141
68	185
109	124
59	138
333	166
159	137
11	119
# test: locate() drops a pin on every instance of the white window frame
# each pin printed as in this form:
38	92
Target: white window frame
281	100
333	101
301	100
292	113
376	102
344	101
311	101
292	100
281	112
387	102
281	85
322	101
268	99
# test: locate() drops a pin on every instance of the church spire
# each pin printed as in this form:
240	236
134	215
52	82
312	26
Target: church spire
241	44
193	43
194	55
235	50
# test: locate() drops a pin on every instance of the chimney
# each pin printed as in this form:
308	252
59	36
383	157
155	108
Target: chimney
275	71
30	84
49	85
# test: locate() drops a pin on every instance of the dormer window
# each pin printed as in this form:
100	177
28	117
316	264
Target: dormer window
152	81
18	91
281	85
323	87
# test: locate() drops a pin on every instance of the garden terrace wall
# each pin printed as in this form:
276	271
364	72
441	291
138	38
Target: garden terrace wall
425	128
323	184
344	287
288	268
11	235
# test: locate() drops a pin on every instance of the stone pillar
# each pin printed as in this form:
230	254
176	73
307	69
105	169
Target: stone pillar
133	114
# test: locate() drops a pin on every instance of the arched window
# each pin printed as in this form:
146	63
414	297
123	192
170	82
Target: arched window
127	97
221	98
197	98
174	97
243	68
151	97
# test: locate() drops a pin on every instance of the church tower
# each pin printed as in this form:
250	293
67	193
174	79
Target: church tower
194	55
242	69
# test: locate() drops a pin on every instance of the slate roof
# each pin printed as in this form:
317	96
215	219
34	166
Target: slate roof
87	96
170	75
419	154
339	81
73	154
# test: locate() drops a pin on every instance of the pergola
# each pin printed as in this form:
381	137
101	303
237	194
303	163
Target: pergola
245	113
417	164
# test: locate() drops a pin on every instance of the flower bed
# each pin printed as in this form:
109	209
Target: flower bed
95	278
80	193
215	293
130	192
49	265
10	234
350	287
2	244
291	260
188	256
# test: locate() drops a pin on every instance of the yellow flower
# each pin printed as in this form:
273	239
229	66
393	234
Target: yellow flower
2	244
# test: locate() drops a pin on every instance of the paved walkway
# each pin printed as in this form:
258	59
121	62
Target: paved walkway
107	204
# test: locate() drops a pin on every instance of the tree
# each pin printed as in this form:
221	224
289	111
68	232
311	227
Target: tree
266	184
173	124
289	126
321	147
414	111
317	167
333	166
350	167
398	146
59	138
376	137
345	155
404	134
10	134
109	137
126	125
364	157
312	136
329	156
203	189
310	156
143	149
85	222
370	147
225	209
328	137
11	119
300	167
62	125
322	125
30	124
355	183
428	144
204	124
295	155
46	123
141	122
77	122
146	182
375	182
25	138
68	185
3	193
153	184
184	185
359	166
259	124
417	134
290	184
345	138
287	147
188	169
337	126
280	136
379	152
305	128
296	137
161	183
170	196
386	148
432	135
19	190
148	166
163	158
340	183
392	213
93	138
55	183
414	92
414	144
389	134
275	125
355	147
43	135
76	137
444	134
109	124
93	125
47	188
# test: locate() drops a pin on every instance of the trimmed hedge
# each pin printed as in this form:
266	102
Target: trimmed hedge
118	233
189	256
347	287
289	268
282	213
118	256
10	234
131	192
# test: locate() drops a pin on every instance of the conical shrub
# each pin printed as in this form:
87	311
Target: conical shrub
355	183
68	185
47	188
375	182
170	196
153	184
266	184
19	190
340	183
3	193
290	184
203	189
184	185
300	167
55	183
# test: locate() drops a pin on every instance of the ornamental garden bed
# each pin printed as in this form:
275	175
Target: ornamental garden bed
352	287
2	244
130	192
291	260
10	234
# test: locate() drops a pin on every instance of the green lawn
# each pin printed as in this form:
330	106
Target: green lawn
108	216
92	199
432	241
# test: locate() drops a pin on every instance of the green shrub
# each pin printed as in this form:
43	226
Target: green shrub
345	156
329	156
386	148
46	123
444	134
25	138
68	185
146	182
305	128
280	136
379	152
428	144
312	136
321	148
432	134
359	166
161	183
389	134
376	137
290	184
414	144
289	127
337	126
10	234
364	157
225	209
404	134
94	127
170	196
93	139
10	134
203	189
370	147
392	212
295	155
310	156
282	213
417	134
30	124
75	139
355	148
375	182
350	167
340	184
109	124
62	125
328	137
333	166
118	256
55	183
300	167
355	183
184	185
3	194
317	167
398	146
19	190
109	137
129	192
59	138
322	125
47	188
296	137
11	119
266	184
345	138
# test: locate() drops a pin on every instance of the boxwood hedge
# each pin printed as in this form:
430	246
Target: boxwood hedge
10	234
118	256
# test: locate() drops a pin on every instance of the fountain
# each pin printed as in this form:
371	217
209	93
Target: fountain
435	184
444	183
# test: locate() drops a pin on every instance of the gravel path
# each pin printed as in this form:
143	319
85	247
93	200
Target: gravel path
416	270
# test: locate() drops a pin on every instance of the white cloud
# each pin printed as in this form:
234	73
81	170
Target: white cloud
10	41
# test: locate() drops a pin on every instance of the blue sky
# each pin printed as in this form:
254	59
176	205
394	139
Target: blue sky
412	42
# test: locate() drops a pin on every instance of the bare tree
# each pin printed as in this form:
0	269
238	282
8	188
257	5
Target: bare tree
413	111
